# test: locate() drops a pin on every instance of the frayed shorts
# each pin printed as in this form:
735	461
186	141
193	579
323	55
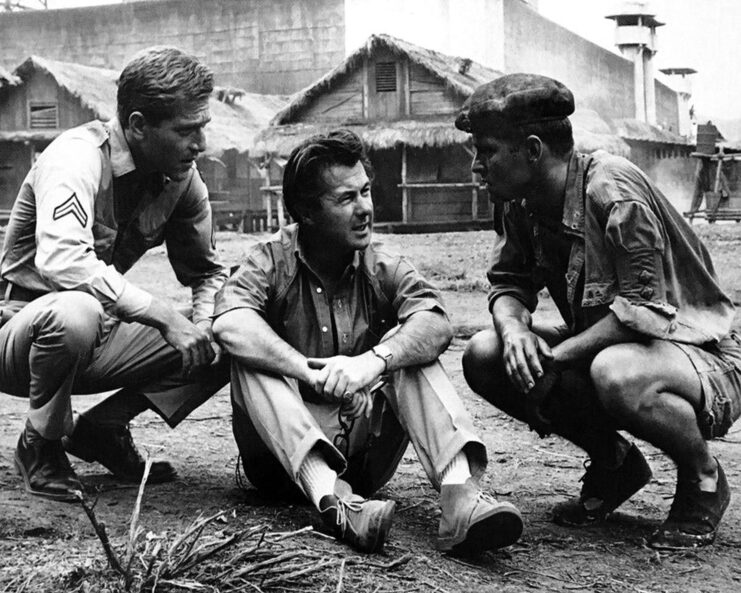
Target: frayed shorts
718	366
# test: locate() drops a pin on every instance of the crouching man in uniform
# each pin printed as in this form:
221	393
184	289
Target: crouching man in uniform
315	320
99	197
647	345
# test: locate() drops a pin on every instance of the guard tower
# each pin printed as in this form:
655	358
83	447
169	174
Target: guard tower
682	83
635	36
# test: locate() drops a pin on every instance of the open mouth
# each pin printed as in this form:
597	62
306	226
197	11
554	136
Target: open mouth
360	228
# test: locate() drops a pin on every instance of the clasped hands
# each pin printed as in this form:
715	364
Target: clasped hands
350	380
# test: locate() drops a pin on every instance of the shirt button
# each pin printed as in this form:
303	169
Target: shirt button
647	292
644	276
319	289
325	329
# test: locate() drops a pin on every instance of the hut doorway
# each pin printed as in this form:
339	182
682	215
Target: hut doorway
385	187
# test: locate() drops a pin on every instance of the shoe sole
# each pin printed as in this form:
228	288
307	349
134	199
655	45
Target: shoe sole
500	528
61	497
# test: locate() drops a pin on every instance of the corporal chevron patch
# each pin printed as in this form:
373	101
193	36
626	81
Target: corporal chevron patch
71	206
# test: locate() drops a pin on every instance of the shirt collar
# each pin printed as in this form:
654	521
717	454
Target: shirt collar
121	160
573	206
298	249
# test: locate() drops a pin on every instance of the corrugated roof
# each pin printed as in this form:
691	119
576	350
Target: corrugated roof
633	129
459	74
236	116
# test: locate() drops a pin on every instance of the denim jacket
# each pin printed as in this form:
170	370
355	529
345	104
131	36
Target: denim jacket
83	217
621	247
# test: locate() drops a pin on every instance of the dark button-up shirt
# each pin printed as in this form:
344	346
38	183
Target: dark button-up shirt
377	291
84	216
621	247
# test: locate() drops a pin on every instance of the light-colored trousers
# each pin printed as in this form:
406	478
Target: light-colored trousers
63	343
275	429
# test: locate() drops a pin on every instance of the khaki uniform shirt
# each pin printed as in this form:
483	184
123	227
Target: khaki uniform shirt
83	217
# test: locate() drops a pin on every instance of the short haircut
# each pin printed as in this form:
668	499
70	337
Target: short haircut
556	134
158	80
303	176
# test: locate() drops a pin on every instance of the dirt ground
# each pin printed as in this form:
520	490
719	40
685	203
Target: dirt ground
50	547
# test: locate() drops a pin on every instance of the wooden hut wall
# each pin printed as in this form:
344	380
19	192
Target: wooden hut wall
344	102
459	200
41	88
428	95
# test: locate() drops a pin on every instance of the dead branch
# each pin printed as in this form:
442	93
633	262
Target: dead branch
100	531
339	579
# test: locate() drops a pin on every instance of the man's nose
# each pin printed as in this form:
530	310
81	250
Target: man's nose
198	141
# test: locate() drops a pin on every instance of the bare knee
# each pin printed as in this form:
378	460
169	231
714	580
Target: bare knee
620	380
482	361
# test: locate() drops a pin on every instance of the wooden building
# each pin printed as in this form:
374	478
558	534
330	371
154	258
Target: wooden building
47	97
402	99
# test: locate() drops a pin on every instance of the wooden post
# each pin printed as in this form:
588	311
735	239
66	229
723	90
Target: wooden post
404	189
474	198
279	206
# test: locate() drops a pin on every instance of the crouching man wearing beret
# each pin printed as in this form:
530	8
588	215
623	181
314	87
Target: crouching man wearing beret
317	319
646	346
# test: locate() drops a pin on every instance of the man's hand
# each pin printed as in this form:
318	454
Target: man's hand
524	355
536	397
340	375
193	343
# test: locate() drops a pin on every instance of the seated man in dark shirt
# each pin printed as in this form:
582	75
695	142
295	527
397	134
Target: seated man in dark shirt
335	345
647	344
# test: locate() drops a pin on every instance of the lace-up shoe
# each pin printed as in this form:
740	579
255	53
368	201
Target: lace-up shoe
604	489
364	524
473	522
113	447
694	516
45	469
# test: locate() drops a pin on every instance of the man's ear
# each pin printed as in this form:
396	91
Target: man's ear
137	124
534	148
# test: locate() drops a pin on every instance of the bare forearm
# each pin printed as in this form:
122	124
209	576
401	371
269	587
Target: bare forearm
421	339
509	312
608	331
248	338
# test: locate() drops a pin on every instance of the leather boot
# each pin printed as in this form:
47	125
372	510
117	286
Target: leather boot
113	447
45	469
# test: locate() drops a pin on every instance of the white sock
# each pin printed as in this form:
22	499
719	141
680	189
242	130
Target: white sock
317	478
457	471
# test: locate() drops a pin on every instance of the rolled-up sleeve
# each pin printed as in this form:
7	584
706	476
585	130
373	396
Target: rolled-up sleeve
251	286
191	249
512	270
65	183
635	237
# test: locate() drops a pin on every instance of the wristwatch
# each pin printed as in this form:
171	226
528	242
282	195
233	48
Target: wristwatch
384	353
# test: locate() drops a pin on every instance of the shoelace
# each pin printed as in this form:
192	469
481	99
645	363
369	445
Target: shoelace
342	507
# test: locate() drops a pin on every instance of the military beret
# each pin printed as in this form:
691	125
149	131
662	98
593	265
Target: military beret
515	99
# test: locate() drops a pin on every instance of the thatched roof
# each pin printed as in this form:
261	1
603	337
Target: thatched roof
460	75
95	88
7	79
591	133
236	116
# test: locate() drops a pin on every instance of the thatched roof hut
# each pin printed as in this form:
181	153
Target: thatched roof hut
236	116
458	76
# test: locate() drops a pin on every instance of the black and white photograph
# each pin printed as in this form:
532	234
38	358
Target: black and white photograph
370	296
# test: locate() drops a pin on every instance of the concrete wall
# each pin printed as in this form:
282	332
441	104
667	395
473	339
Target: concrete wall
600	80
467	28
266	46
